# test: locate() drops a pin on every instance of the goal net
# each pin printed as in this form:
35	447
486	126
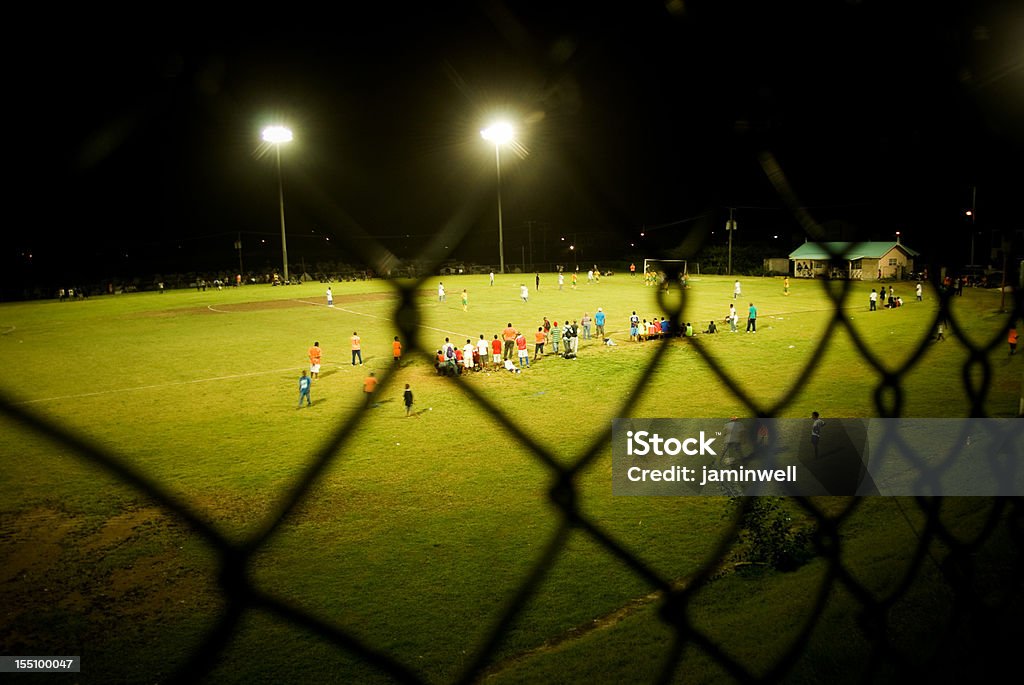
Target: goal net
658	271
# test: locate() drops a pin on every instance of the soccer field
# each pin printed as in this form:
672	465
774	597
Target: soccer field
163	495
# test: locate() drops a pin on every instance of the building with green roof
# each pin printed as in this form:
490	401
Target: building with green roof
865	261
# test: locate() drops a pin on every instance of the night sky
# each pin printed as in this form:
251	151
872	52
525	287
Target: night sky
139	148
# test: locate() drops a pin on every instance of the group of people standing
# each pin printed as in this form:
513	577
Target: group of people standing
733	318
891	299
510	349
315	354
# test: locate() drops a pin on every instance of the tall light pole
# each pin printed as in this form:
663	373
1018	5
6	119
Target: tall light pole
574	249
277	135
499	134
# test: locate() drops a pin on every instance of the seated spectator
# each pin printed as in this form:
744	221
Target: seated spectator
665	325
712	328
445	365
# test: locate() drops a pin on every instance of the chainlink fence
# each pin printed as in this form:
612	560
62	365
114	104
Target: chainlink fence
987	628
979	621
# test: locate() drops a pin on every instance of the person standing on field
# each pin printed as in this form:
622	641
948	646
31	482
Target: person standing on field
304	384
873	300
357	349
330	297
1012	340
496	350
585	323
482	349
919	291
524	353
736	292
816	425
539	339
314	360
785	285
752	319
492	276
509	336
599	323
524	292
396	350
465	300
407	399
733	441
369	386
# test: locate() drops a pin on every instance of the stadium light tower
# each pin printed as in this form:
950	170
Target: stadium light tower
499	133
275	135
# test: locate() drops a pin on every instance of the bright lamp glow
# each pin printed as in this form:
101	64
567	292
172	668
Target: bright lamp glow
499	133
277	134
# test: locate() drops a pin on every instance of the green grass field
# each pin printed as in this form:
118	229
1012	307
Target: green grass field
415	534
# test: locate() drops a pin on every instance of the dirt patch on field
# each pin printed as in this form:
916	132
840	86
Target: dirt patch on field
273	305
67	578
32	540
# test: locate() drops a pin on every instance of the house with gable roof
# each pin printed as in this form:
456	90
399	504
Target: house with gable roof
863	261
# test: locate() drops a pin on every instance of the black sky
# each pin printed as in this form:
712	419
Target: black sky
141	134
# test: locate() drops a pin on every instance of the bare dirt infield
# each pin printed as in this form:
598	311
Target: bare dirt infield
270	305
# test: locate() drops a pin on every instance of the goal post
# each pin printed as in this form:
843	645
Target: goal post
660	270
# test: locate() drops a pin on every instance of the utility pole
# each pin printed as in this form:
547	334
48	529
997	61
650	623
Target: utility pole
974	218
730	226
238	246
1006	245
529	229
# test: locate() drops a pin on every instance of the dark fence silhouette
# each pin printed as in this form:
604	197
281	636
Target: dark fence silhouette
990	624
960	570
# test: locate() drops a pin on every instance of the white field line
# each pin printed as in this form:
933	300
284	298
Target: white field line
290	369
347	311
215	378
388	318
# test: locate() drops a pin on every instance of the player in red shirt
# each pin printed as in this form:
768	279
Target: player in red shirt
496	350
